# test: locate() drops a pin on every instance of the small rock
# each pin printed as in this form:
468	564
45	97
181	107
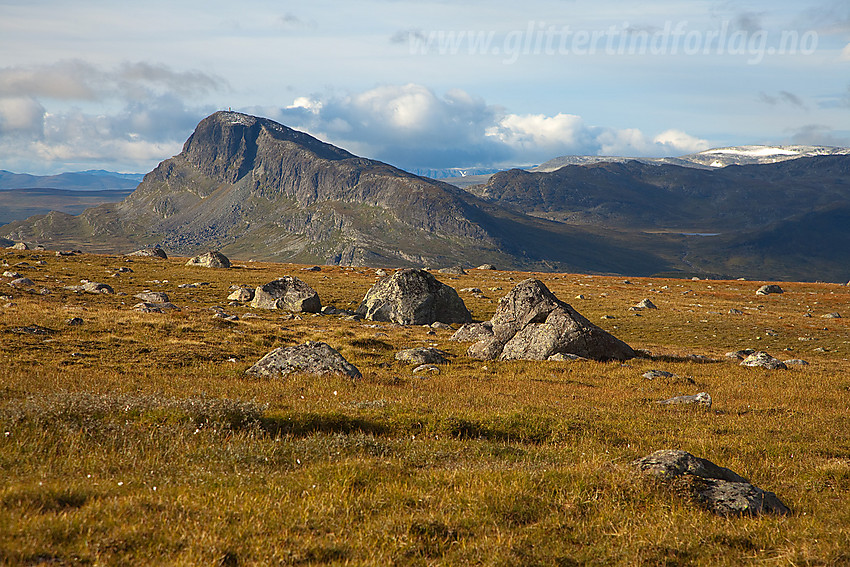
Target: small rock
735	312
94	287
32	330
441	326
426	355
155	252
831	316
74	321
580	296
702	399
10	274
715	488
763	360
426	368
381	273
741	354
21	282
471	290
486	267
124	270
453	271
310	357
148	307
312	269
646	304
329	310
768	289
243	294
19	246
212	259
653	374
565	357
796	362
152	296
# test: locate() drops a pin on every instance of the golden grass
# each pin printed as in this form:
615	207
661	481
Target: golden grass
136	439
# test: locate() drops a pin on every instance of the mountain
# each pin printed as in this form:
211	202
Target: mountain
17	204
670	198
708	159
91	180
257	189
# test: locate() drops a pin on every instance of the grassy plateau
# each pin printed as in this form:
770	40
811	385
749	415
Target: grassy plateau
136	438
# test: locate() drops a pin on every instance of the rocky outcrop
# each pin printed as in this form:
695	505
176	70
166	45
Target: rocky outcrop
530	323
310	358
715	488
413	297
213	259
288	293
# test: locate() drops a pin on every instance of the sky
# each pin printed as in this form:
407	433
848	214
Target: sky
98	84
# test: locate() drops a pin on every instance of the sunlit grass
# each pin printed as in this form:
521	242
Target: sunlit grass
137	439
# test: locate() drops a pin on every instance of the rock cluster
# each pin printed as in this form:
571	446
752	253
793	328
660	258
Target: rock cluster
413	297
530	323
716	488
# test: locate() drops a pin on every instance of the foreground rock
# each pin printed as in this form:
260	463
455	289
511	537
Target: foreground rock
19	246
153	296
530	323
472	332
243	294
150	253
413	297
763	360
288	293
428	355
210	260
312	358
715	488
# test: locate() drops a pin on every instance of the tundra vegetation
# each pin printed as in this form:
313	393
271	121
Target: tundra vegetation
137	438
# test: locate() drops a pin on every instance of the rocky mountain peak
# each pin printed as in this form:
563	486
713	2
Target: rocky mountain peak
225	144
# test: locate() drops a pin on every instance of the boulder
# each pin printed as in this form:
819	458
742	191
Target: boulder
11	274
94	287
211	259
715	488
152	296
472	332
289	293
741	354
155	252
702	399
427	355
530	323
413	297
646	304
486	267
768	289
311	358
831	316
19	246
764	360
243	294
21	282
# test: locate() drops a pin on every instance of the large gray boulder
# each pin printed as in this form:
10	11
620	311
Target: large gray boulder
413	297
530	323
289	293
311	358
212	259
716	488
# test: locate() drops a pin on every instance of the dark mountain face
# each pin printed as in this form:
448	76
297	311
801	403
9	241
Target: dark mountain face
642	196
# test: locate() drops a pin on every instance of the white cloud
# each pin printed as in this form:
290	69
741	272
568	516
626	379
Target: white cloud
680	142
21	115
845	53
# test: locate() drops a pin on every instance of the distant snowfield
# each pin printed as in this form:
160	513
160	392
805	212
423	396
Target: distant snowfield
754	152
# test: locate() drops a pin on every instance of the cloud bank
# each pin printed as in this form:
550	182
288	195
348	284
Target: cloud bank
75	115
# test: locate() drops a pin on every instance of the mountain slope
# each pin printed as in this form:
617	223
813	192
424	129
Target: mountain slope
257	189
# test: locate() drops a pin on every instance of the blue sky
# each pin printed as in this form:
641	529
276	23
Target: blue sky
426	84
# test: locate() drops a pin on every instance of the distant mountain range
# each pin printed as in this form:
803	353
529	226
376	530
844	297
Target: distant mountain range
91	180
254	188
